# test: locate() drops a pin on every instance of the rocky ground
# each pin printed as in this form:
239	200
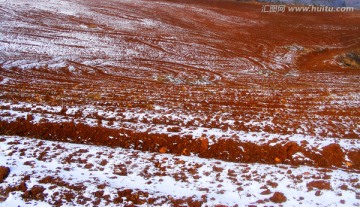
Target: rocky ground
178	103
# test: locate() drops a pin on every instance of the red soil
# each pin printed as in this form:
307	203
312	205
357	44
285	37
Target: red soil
290	100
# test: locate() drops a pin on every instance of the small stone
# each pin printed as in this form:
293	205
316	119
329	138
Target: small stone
318	193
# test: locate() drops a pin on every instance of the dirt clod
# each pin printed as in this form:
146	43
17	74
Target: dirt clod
4	173
319	184
120	169
266	192
163	150
318	193
36	193
333	155
278	198
204	144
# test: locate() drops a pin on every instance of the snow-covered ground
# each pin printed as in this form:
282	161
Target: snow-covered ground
162	176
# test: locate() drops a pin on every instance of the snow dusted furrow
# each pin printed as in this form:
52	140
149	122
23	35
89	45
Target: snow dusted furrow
70	170
51	34
133	120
